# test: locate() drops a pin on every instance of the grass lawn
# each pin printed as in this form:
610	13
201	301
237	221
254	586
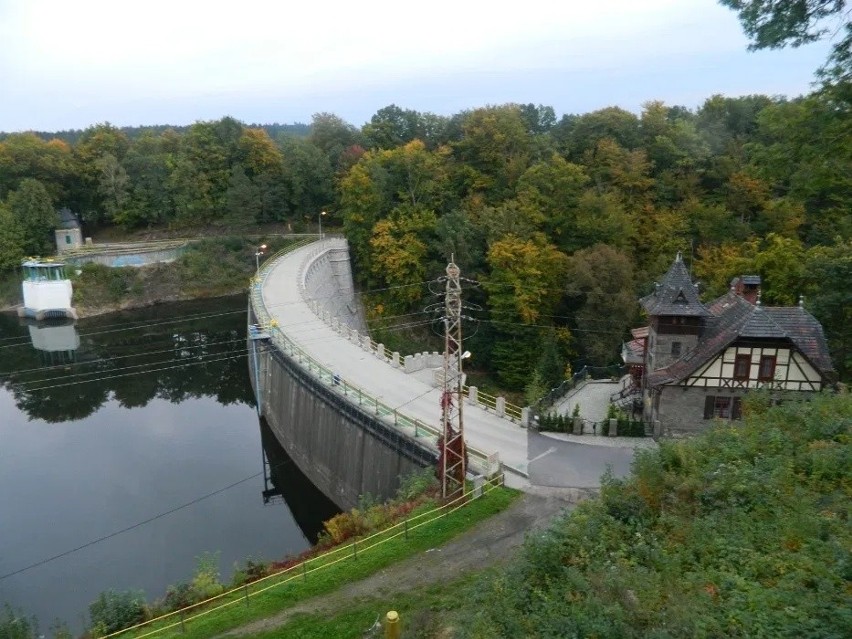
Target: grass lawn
337	570
423	612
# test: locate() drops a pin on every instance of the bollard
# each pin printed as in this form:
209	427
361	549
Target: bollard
393	630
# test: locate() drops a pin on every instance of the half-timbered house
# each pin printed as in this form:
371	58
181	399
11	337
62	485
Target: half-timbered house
701	359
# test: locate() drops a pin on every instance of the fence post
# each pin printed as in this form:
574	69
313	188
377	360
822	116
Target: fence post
182	625
304	570
406	528
245	593
472	395
355	548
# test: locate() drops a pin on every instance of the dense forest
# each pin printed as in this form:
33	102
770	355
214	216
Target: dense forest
558	223
564	221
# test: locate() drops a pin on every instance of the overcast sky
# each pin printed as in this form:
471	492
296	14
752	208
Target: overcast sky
71	63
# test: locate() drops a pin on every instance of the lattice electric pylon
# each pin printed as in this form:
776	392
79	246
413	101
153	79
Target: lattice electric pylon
453	455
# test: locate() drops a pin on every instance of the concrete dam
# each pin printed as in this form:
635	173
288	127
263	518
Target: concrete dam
341	446
354	418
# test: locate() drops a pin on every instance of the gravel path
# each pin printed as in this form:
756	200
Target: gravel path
491	543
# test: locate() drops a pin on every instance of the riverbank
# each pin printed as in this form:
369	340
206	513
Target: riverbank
209	268
350	560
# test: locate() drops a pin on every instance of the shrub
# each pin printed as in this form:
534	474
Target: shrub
252	571
417	483
16	626
739	532
115	610
206	584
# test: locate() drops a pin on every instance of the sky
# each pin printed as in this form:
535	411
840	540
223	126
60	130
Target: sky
68	64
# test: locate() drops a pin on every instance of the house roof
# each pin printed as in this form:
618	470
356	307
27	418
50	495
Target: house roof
633	352
67	219
640	333
733	318
675	294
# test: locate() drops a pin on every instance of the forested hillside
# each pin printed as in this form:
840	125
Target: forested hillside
563	220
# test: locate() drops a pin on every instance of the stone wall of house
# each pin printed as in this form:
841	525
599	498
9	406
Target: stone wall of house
662	347
681	409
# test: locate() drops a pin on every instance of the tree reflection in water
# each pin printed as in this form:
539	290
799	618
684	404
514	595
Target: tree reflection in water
131	357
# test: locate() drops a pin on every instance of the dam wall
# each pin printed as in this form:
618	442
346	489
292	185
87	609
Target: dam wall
345	445
327	278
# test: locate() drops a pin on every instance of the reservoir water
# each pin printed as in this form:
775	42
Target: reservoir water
129	447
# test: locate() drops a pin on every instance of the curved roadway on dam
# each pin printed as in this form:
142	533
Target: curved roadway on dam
527	455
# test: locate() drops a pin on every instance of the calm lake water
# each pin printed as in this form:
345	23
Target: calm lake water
134	473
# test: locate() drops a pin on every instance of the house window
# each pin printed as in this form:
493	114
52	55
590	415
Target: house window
716	407
675	349
68	239
742	366
767	368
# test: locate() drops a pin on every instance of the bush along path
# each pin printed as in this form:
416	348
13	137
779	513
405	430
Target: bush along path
428	525
492	542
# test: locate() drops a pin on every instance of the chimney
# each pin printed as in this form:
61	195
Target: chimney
747	287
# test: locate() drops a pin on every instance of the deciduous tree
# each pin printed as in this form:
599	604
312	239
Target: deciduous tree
32	208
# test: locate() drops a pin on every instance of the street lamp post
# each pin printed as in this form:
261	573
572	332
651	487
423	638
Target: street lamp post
257	254
319	217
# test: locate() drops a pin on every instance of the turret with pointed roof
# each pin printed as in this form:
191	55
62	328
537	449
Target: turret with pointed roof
675	294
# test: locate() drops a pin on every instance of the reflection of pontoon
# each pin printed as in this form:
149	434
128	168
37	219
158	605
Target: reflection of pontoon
57	340
47	292
282	479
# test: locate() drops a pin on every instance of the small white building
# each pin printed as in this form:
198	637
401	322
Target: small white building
47	291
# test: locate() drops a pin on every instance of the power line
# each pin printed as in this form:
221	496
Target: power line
132	325
136	525
117	357
242	352
155	370
133	328
124	368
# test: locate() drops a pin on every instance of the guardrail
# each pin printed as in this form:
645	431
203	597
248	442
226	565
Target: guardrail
301	570
486	464
497	405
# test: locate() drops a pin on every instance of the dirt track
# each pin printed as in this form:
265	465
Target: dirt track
491	543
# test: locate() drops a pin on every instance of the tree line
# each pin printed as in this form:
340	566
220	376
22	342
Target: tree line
563	220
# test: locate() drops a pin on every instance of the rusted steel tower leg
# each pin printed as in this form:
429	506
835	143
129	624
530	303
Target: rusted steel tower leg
453	456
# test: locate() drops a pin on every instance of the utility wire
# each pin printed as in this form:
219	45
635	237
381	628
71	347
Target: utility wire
211	357
133	366
93	362
129	326
136	525
154	370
